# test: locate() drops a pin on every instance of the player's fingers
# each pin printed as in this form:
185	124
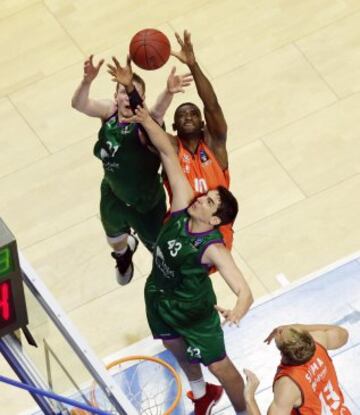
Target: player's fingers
173	70
218	308
99	65
248	374
128	61
178	38
91	59
116	62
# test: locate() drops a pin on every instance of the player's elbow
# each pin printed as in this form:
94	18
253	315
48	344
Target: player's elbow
75	103
343	336
248	297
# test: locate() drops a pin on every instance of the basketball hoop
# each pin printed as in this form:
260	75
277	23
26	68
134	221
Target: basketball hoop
151	384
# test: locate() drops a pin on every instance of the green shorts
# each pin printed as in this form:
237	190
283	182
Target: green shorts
117	217
198	323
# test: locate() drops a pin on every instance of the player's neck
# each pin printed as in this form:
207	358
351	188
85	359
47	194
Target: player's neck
190	142
199	226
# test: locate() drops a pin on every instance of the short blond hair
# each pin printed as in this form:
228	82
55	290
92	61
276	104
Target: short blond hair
298	348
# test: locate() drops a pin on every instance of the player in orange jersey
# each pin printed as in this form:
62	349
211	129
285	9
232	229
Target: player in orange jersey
305	382
201	147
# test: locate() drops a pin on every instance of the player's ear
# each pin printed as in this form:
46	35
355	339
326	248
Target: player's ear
215	220
174	127
202	124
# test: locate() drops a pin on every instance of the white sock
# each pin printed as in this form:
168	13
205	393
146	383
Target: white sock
198	388
122	251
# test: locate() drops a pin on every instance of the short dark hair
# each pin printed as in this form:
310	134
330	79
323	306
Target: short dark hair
183	105
228	208
299	348
136	78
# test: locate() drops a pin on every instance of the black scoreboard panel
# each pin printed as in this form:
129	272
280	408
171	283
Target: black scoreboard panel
13	314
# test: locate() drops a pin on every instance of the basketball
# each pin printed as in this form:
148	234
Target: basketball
149	49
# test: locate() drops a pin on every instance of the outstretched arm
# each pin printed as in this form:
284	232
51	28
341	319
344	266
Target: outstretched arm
81	100
181	189
252	383
175	84
221	257
286	394
330	336
214	116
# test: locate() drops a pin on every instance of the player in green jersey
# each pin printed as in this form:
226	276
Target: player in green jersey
132	195
180	301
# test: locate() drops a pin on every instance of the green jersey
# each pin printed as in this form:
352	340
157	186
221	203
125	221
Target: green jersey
130	167
177	269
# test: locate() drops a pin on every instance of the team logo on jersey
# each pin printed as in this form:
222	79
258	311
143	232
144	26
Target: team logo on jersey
104	154
186	158
186	169
197	242
203	156
125	130
162	265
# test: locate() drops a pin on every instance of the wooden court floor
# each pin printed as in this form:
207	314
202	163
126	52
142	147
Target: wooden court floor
287	74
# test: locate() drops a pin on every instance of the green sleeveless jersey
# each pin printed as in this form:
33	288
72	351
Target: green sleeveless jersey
130	168
177	270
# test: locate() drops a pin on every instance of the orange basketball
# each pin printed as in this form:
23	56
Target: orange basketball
149	49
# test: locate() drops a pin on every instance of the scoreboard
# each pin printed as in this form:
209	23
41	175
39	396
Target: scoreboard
13	314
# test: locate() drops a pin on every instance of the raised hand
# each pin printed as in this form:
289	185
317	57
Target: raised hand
186	53
141	116
90	70
252	383
272	335
230	316
121	74
177	83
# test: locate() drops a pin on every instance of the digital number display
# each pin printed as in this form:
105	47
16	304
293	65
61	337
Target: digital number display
7	306
6	262
13	314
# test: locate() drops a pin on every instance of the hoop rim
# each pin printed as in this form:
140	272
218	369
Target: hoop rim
139	357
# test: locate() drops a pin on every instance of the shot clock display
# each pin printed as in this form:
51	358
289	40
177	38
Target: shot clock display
13	313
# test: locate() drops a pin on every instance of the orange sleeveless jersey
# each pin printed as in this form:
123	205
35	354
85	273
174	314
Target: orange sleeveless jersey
318	383
203	173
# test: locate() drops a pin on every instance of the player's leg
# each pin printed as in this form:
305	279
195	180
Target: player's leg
177	347
233	383
163	330
206	339
147	224
114	218
203	342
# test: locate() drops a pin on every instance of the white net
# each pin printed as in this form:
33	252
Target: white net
152	385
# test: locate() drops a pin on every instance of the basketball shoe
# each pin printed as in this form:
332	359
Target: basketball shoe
124	266
204	405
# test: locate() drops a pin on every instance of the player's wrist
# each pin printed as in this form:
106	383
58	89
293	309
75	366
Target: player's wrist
192	63
86	81
129	88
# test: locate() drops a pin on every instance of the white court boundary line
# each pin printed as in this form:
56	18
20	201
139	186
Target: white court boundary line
152	347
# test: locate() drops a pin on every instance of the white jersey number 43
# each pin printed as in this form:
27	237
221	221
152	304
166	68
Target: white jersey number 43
174	247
